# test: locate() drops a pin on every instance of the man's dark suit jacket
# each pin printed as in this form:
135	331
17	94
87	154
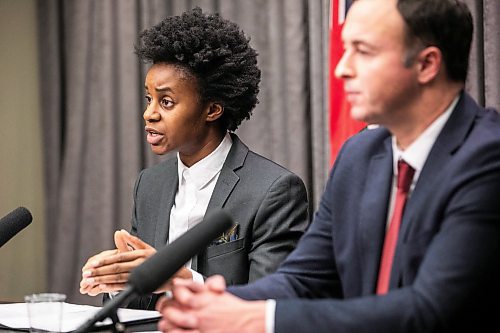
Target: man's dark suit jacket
268	202
446	273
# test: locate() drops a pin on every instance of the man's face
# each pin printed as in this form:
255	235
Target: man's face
377	84
174	117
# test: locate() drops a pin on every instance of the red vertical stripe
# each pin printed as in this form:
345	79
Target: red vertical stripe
342	126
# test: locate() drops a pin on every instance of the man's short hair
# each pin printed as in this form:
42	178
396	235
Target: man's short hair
446	24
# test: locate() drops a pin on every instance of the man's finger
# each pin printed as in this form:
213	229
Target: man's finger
161	303
216	283
181	294
177	318
193	286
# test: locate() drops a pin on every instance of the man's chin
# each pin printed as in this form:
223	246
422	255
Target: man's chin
358	113
364	115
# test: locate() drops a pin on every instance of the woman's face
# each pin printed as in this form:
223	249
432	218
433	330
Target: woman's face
175	119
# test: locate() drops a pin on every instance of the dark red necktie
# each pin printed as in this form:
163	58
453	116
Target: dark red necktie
405	176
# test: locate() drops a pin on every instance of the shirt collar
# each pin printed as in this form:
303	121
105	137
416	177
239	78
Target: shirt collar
416	153
207	168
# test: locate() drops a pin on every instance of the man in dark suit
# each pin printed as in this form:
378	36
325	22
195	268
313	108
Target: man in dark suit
407	235
203	83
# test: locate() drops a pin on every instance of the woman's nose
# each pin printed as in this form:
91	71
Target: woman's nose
150	114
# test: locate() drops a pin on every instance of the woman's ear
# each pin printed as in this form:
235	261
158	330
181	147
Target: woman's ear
429	64
215	111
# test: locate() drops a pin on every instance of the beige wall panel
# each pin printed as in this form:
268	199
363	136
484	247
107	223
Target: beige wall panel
22	259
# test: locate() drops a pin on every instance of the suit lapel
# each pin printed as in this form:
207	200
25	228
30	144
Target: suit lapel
447	143
228	177
449	140
166	203
225	184
373	214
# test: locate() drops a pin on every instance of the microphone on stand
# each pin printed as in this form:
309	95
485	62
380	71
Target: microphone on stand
159	268
14	222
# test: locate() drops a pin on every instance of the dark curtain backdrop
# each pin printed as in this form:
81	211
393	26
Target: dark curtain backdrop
92	95
92	106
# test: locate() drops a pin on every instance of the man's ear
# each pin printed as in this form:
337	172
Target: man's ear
215	111
430	63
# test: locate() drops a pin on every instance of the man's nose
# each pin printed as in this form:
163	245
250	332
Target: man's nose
344	67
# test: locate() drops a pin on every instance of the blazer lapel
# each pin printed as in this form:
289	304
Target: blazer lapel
373	215
166	203
449	140
223	188
228	177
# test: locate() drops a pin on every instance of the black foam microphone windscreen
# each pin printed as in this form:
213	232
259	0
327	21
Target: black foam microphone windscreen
14	222
155	271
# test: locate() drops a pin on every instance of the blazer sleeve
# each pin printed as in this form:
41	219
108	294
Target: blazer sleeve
280	221
309	271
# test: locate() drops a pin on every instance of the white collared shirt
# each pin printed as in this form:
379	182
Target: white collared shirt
196	185
415	155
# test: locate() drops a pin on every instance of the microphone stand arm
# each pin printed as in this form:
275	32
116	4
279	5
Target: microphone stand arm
117	326
109	310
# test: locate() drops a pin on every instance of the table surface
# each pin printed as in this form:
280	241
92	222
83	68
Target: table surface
141	327
151	325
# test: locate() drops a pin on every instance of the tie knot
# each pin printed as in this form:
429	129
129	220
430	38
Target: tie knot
405	176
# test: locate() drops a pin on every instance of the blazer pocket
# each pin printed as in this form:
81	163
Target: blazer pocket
217	250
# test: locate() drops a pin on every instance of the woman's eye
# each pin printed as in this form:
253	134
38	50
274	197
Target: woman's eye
166	103
148	99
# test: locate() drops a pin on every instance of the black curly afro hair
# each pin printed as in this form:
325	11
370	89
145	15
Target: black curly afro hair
216	52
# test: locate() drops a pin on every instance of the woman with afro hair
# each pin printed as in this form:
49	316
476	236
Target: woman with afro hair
202	83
